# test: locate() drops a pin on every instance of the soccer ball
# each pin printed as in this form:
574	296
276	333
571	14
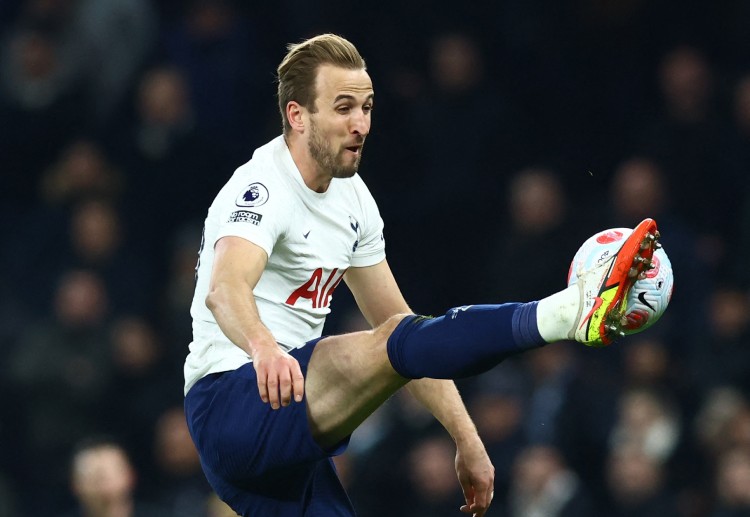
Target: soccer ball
652	291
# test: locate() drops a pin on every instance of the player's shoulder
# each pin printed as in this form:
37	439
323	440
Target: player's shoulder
262	172
263	163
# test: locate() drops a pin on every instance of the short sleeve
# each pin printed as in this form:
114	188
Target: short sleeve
371	247
254	209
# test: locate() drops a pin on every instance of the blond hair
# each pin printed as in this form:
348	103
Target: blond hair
297	72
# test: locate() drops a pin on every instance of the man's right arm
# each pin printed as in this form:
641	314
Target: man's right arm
238	264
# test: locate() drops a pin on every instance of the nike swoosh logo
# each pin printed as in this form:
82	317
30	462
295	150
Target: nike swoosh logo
642	298
306	234
597	303
460	309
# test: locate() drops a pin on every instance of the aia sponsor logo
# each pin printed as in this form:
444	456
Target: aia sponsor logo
317	290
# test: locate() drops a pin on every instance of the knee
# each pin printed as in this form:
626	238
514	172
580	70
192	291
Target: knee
385	329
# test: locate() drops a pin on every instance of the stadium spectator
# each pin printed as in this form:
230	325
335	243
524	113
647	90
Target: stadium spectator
637	485
80	172
738	149
62	369
178	484
37	91
150	105
218	52
733	484
563	412
159	146
684	138
648	423
721	357
142	388
382	442
647	364
498	403
719	408
100	240
536	214
103	482
544	485
118	37
439	146
431	474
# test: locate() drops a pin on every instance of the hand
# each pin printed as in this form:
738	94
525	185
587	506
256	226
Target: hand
279	376
476	475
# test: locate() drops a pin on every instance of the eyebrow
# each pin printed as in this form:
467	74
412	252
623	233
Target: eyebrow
346	96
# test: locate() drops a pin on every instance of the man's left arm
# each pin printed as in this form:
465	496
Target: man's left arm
378	296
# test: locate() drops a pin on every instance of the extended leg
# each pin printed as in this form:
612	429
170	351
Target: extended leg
349	376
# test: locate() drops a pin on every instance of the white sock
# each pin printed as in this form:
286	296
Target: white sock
558	314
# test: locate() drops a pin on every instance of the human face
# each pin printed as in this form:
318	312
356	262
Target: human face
102	475
337	130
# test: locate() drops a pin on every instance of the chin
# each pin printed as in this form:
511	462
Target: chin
345	173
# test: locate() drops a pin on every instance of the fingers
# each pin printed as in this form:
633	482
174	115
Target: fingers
468	491
262	377
281	381
291	383
476	476
482	501
482	504
273	389
298	383
477	501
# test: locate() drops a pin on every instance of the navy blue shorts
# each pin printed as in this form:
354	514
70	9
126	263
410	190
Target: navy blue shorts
261	462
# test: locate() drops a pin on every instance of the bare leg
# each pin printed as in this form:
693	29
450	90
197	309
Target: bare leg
349	377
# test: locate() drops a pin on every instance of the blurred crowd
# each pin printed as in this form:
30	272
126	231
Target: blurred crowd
505	133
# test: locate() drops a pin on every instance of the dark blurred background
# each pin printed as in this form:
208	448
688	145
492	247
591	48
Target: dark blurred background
505	133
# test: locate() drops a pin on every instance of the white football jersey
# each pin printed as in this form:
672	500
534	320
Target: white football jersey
311	239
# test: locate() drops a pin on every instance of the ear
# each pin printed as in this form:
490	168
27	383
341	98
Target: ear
295	116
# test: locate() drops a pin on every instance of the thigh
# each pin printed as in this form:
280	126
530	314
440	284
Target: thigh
239	436
260	461
348	377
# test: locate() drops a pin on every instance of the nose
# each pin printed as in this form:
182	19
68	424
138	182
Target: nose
360	123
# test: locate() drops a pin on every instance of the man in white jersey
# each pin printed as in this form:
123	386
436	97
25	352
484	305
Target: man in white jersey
268	402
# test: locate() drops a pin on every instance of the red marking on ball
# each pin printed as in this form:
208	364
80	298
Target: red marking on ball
609	236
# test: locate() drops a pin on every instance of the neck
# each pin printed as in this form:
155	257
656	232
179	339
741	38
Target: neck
314	178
